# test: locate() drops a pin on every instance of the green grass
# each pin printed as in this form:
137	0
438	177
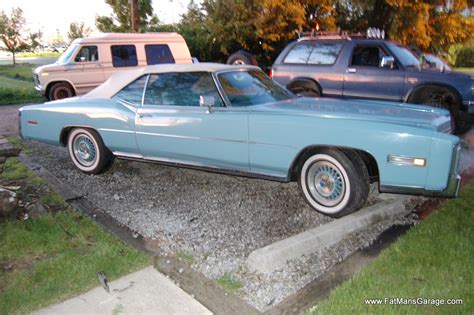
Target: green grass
465	70
229	283
22	72
433	260
52	199
15	171
16	85
55	257
43	54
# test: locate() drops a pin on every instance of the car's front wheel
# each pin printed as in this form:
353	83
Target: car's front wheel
334	183
88	152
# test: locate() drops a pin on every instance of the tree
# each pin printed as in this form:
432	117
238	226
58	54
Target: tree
34	40
120	20
77	30
11	29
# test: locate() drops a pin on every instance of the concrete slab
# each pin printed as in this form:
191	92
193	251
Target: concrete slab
144	292
275	256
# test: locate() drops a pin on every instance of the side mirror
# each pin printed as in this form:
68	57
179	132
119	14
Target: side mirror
83	59
387	62
207	101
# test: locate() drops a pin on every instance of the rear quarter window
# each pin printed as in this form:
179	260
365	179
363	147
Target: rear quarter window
157	54
314	53
124	55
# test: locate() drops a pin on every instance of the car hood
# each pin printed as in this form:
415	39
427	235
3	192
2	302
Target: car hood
385	112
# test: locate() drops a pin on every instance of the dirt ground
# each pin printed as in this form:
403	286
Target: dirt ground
9	120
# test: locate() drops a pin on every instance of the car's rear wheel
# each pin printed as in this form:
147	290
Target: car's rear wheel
60	90
88	152
332	183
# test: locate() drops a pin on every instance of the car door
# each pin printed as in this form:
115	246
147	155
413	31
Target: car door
365	78
171	125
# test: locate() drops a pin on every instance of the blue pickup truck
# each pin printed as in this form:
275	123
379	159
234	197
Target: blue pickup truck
372	69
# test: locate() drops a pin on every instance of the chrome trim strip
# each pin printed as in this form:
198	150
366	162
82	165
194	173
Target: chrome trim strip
272	145
144	89
116	130
188	137
128	155
200	166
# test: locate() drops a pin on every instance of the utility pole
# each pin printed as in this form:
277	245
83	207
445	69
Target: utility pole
134	16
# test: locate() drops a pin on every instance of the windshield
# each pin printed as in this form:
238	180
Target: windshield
67	54
247	88
404	56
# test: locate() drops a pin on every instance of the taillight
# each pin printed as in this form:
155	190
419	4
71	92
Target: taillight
270	73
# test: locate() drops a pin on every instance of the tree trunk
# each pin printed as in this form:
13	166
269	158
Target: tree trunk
134	16
14	60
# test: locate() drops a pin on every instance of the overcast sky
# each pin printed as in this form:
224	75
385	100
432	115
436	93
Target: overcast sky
52	15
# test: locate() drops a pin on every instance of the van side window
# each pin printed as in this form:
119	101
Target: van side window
87	53
133	92
124	55
156	54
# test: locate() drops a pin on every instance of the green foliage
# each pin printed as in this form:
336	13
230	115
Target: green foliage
56	256
465	57
433	260
11	29
120	20
77	30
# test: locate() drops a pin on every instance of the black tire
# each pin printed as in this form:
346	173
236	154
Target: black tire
241	58
88	152
60	90
332	183
305	88
446	99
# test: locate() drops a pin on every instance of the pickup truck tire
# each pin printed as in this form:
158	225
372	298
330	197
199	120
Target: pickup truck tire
332	183
242	58
88	152
441	97
305	88
60	90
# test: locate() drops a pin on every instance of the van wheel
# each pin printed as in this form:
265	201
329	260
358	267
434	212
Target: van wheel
60	90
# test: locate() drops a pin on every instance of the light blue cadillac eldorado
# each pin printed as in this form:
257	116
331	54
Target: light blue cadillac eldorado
234	119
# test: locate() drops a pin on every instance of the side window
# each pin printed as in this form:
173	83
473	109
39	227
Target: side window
156	54
299	53
324	53
87	54
180	89
367	56
124	55
133	92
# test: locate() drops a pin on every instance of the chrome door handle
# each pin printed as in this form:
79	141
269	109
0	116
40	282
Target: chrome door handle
351	70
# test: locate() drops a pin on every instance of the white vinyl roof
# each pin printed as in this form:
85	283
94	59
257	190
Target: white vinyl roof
121	79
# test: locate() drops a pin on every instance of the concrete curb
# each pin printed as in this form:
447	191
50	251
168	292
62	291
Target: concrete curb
275	256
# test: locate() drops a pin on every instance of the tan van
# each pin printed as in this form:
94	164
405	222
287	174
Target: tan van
88	62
